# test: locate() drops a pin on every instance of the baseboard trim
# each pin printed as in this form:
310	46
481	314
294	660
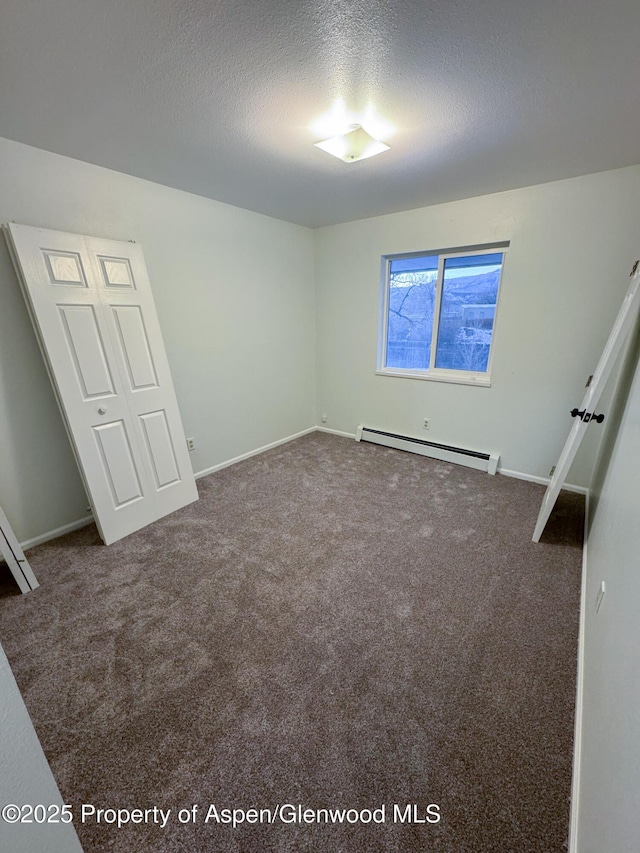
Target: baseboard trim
59	531
543	481
212	470
336	432
88	519
577	729
83	522
508	472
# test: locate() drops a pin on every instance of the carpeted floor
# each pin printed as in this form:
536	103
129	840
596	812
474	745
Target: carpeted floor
334	625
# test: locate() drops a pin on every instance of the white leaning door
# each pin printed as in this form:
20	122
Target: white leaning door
596	385
92	308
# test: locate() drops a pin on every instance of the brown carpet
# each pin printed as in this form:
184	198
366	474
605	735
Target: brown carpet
334	625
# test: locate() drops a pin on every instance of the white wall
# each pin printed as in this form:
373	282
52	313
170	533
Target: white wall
235	296
25	777
609	779
572	246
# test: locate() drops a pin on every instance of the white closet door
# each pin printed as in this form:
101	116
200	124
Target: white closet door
587	414
15	558
92	308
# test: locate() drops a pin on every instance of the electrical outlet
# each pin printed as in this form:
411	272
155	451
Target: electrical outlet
324	419
191	444
601	591
426	423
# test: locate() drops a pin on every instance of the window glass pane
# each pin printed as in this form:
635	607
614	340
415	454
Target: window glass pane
467	312
419	263
412	297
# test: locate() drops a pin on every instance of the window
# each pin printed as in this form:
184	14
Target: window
438	314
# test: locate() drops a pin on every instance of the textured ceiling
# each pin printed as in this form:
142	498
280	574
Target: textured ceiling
218	97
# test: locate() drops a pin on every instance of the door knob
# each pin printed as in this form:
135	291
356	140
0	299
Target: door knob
102	410
586	416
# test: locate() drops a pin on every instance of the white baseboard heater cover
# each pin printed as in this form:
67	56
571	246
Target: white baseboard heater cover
445	452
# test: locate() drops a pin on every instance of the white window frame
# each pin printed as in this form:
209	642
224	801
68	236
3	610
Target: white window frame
433	373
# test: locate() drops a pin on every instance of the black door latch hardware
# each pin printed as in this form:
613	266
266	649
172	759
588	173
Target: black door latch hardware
586	416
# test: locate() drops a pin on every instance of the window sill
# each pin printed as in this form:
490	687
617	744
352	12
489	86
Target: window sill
453	377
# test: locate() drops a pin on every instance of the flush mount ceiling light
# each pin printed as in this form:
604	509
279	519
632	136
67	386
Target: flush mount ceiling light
355	144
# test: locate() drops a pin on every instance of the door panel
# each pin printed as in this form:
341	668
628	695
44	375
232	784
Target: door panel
86	350
92	307
65	268
116	272
118	462
135	346
160	448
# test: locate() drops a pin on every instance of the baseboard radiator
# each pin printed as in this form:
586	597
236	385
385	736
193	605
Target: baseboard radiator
445	452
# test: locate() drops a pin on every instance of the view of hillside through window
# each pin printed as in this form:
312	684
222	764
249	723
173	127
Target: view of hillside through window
462	332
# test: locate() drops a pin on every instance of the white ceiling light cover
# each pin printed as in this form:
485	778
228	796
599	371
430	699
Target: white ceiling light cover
355	144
